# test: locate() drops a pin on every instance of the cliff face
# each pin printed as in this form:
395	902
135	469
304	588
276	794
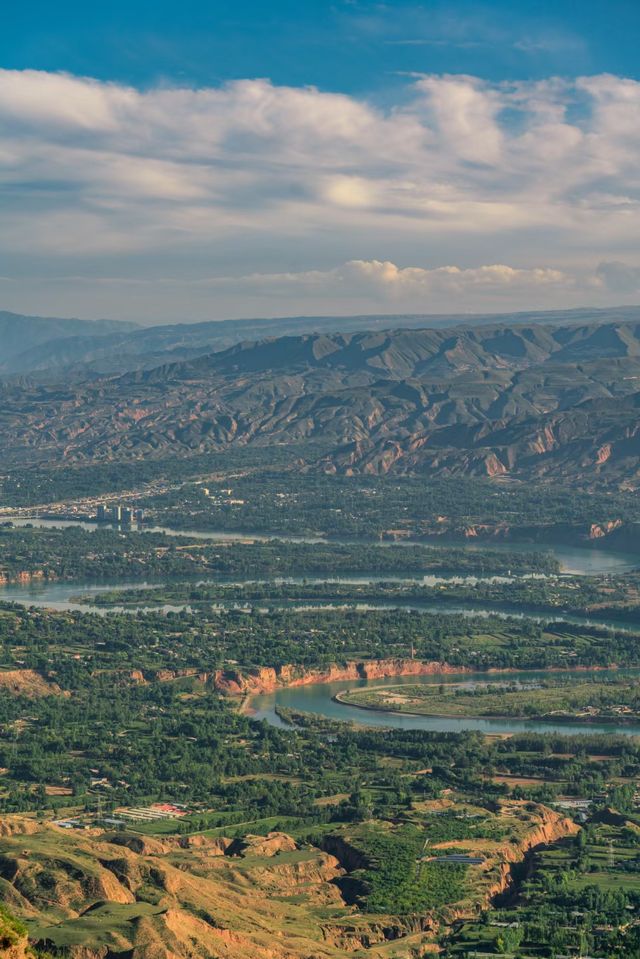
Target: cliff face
354	936
24	576
16	825
267	679
600	530
551	828
167	675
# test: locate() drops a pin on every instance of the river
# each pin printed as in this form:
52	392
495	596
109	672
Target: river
318	699
62	596
58	596
573	560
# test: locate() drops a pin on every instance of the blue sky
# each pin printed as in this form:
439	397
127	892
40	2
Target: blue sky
350	46
202	160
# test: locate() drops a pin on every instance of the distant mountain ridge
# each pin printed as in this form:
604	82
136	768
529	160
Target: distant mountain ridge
525	400
30	336
49	347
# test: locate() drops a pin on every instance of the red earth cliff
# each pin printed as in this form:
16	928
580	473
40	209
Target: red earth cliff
267	679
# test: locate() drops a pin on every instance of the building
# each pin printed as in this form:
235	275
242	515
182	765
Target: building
118	514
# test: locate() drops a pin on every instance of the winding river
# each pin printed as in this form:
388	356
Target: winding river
64	596
573	560
319	699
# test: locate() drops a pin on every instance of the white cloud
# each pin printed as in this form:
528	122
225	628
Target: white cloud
462	113
247	178
390	280
350	191
356	286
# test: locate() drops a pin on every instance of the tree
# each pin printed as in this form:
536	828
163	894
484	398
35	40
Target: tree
509	940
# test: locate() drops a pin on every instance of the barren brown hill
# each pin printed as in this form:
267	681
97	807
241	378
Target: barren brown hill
95	895
27	682
14	943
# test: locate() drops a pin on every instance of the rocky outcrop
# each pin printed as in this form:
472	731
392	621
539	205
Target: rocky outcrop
13	938
484	530
600	530
142	845
353	936
141	678
25	576
603	454
264	846
314	877
267	679
213	846
168	675
59	880
494	466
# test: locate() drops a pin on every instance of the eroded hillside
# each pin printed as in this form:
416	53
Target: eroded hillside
94	894
495	400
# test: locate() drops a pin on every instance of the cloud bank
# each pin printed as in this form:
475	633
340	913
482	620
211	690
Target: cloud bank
205	201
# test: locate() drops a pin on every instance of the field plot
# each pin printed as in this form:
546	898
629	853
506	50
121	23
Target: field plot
156	812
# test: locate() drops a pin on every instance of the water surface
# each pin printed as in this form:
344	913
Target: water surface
577	560
318	699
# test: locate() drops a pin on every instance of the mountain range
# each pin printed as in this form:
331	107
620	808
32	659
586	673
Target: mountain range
516	400
50	347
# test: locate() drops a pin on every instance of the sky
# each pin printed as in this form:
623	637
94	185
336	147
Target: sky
168	162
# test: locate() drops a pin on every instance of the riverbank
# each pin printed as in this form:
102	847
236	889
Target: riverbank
541	718
321	700
590	700
268	679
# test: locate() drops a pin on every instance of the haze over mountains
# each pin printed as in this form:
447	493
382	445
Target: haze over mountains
46	345
553	400
37	342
